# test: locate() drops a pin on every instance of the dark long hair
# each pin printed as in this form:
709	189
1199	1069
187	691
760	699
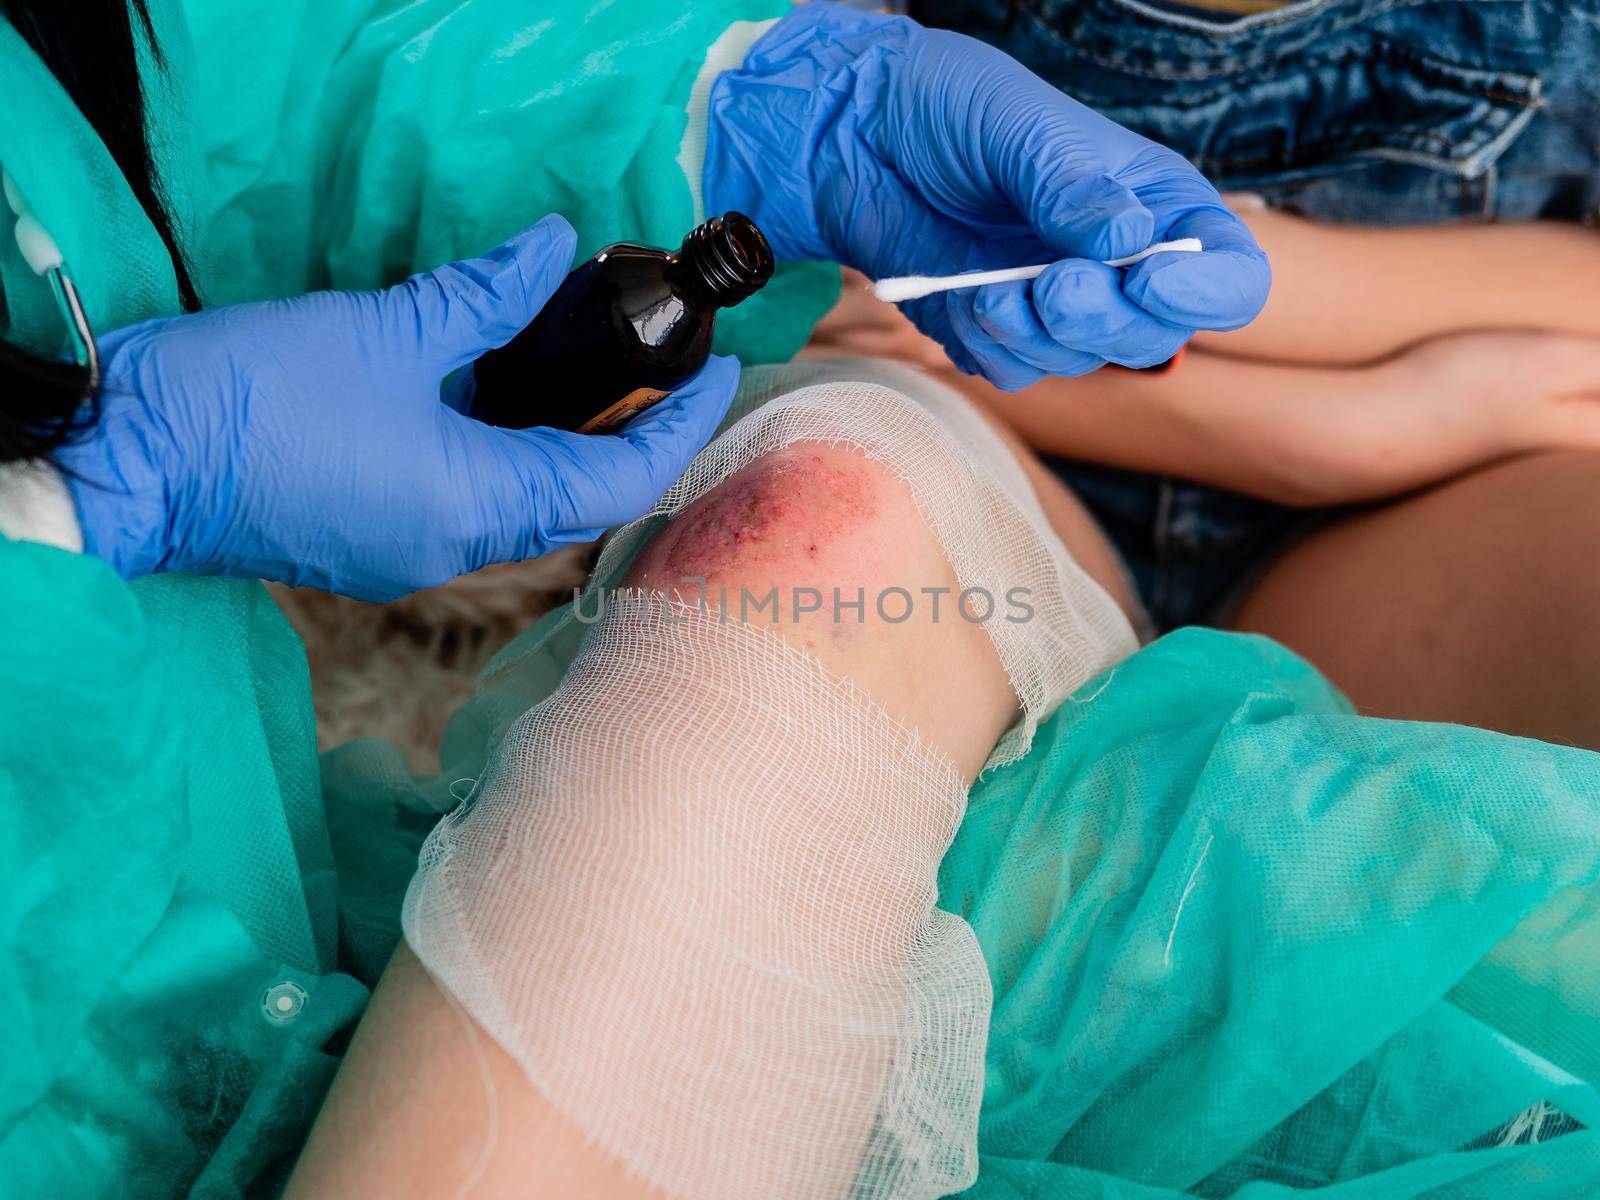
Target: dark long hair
90	47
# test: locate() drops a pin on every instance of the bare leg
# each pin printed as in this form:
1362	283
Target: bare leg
428	1105
1477	602
409	1112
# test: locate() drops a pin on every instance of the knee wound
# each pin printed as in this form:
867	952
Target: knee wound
693	894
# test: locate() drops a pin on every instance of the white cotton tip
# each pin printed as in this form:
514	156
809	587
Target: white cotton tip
38	248
914	287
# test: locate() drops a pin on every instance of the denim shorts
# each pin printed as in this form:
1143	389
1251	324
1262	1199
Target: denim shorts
1376	112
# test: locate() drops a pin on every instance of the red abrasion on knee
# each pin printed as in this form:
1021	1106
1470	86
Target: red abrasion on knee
781	510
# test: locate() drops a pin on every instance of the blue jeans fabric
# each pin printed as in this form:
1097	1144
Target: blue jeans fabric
1377	112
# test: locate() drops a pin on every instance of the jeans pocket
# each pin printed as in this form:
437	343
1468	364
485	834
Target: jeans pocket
1365	110
1389	136
1387	102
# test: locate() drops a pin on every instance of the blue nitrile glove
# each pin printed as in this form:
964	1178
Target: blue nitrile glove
900	150
305	440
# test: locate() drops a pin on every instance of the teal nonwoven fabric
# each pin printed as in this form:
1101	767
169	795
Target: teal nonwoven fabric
1244	943
358	140
166	875
348	143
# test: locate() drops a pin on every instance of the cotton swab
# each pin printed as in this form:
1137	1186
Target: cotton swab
914	287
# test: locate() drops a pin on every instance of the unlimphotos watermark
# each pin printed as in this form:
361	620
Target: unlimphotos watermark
891	605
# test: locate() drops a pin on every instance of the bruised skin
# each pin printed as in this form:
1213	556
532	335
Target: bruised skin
795	524
788	507
824	517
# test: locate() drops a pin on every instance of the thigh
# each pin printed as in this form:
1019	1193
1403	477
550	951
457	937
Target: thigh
426	1104
1477	602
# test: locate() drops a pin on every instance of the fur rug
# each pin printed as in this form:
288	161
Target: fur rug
397	671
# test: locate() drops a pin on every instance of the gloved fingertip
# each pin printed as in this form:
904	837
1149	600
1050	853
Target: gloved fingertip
1160	350
551	237
930	315
468	307
1073	292
1013	375
1082	364
537	260
721	371
1001	305
1097	217
1083	306
1011	319
961	358
1127	231
575	537
1220	291
711	390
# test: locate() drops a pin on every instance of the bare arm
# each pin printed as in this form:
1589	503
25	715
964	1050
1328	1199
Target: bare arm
1292	433
1319	435
1295	435
1344	294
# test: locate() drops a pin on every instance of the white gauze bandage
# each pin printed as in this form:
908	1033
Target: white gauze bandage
693	893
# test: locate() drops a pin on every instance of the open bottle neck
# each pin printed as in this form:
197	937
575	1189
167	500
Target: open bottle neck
724	261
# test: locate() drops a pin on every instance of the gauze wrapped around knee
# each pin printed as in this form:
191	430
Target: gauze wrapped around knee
693	894
695	900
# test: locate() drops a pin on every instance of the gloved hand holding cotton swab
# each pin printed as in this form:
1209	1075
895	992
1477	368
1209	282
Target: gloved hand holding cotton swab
914	287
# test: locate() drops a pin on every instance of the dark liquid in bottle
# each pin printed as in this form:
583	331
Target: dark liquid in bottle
622	331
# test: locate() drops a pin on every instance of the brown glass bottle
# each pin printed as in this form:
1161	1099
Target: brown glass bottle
622	331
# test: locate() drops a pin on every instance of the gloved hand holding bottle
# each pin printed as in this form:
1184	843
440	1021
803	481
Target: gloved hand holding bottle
900	150
305	440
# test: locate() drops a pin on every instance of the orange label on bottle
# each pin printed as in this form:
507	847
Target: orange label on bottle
619	413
